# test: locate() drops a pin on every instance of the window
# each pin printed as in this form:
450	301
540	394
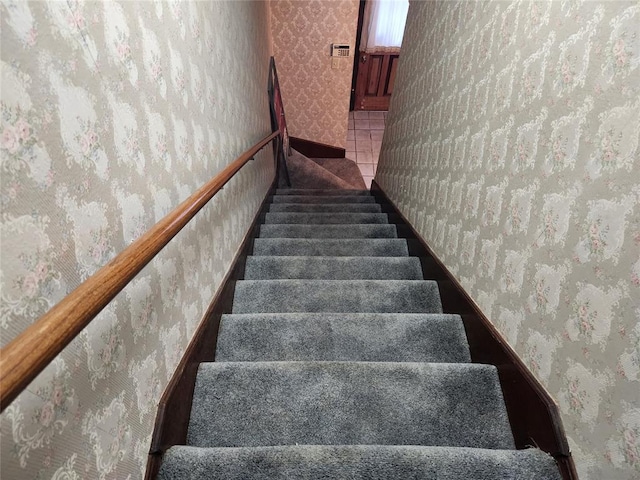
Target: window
385	20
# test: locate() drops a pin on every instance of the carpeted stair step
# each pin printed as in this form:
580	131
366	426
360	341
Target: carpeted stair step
325	208
370	337
254	404
320	191
333	268
323	199
372	230
325	218
343	168
357	462
355	296
359	247
305	173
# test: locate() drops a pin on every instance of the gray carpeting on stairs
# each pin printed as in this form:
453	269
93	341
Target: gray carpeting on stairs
348	247
371	337
334	173
332	268
358	462
336	361
323	199
344	168
384	296
348	403
345	231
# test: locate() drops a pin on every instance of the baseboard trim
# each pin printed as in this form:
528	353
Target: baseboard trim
174	408
315	149
533	414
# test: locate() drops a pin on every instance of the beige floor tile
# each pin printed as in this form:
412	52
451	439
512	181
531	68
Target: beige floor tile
363	135
368	134
376	135
350	154
364	158
366	169
363	146
367	181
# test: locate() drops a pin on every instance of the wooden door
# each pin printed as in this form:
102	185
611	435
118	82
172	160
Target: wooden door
376	74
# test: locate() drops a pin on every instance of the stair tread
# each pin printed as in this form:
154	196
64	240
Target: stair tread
357	462
325	218
342	231
325	207
332	268
358	296
320	191
311	199
305	173
342	337
375	247
348	403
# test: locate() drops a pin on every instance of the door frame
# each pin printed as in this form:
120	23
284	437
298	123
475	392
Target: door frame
356	55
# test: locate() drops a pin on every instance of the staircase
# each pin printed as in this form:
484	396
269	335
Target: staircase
337	362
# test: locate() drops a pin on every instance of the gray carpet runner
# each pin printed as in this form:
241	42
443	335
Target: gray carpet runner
305	173
332	268
371	337
344	168
320	208
325	218
323	199
350	231
348	247
337	362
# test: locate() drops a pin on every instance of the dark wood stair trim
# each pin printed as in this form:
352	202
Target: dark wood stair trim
174	409
533	414
315	149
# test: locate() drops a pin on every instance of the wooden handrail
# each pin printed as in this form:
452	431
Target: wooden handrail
31	351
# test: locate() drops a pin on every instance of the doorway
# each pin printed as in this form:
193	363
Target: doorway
378	40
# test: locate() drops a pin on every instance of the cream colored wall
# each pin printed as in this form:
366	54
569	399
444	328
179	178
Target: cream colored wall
512	146
112	114
316	96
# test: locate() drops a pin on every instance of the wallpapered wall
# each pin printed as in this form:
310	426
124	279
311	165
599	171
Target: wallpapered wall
113	113
512	145
316	97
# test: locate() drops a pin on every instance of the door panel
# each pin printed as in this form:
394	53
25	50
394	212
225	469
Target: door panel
374	84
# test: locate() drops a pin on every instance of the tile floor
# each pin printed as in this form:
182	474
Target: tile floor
364	138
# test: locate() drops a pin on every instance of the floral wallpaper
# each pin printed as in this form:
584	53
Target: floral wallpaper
112	114
512	146
315	93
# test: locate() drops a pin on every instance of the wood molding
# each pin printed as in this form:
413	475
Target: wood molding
533	414
356	54
31	351
174	409
316	150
